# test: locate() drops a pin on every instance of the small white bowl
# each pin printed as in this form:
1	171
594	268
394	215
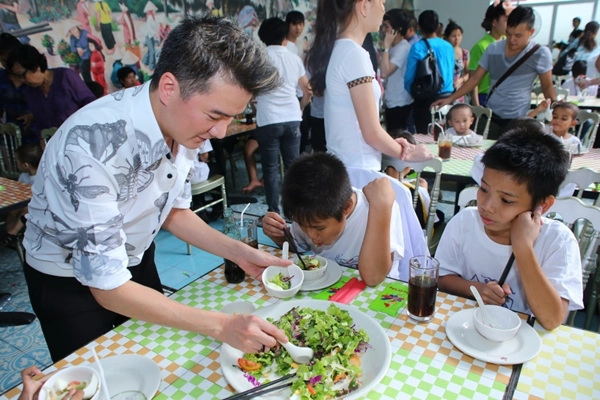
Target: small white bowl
238	307
313	274
79	373
296	282
508	320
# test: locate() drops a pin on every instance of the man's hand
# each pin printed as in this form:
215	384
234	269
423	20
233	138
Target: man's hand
27	119
380	194
439	104
525	228
389	39
273	225
254	261
250	333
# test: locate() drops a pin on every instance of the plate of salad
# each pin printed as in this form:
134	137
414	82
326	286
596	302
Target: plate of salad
352	353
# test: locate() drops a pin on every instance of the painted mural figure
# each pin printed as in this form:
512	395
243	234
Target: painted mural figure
126	21
104	20
8	17
83	15
97	63
78	39
151	36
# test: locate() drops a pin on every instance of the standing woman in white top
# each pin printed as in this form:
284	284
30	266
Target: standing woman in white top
343	72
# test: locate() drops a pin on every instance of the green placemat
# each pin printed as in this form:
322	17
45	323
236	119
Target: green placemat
391	299
326	294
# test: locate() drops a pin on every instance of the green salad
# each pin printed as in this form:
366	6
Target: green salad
311	262
336	367
281	281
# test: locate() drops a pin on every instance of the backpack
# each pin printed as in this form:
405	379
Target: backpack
428	81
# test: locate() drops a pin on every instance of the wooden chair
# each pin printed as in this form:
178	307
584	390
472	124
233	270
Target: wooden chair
478	111
588	136
10	140
206	186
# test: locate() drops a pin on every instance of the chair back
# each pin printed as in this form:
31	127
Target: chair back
414	240
10	140
434	164
438	115
588	136
561	94
478	111
583	178
537	90
467	195
48	133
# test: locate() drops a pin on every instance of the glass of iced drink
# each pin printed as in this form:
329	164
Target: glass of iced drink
422	287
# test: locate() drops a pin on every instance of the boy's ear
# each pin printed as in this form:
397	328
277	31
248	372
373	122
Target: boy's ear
574	122
546	204
348	208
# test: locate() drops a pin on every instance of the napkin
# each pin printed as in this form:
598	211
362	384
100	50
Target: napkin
467	140
391	299
349	291
326	294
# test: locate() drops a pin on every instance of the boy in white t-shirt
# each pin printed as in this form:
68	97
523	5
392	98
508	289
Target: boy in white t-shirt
355	228
201	168
523	171
579	70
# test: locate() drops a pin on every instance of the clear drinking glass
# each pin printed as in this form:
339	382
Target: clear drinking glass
422	287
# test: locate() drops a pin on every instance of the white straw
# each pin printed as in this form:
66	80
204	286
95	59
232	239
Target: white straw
103	388
242	216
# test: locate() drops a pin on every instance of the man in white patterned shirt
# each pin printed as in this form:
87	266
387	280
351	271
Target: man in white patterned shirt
118	170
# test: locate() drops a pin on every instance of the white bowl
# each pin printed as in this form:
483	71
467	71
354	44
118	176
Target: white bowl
296	282
313	274
238	307
79	373
508	321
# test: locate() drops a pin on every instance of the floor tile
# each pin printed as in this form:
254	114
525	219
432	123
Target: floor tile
11	369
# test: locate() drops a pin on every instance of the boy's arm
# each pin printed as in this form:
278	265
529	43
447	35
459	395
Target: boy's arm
543	106
374	259
273	226
543	299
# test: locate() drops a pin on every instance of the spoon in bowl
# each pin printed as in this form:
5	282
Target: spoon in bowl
486	318
301	355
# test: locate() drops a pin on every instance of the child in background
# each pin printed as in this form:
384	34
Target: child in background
355	228
578	71
127	77
460	118
564	117
28	158
522	173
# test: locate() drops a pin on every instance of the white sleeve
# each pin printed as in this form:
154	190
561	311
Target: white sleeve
396	235
302	241
449	251
398	58
360	66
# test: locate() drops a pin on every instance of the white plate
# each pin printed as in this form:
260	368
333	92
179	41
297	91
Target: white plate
332	275
130	372
584	150
462	333
462	141
375	361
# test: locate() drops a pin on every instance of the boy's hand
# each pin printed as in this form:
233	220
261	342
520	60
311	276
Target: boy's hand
492	293
380	194
544	105
273	225
525	228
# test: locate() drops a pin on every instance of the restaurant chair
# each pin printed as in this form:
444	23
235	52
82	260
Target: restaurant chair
561	94
537	90
206	186
10	140
478	111
48	133
571	210
414	240
434	164
467	197
580	178
584	132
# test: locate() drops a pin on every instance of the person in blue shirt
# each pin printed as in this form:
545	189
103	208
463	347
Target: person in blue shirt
78	39
444	54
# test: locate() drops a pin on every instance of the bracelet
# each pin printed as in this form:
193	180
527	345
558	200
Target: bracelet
386	50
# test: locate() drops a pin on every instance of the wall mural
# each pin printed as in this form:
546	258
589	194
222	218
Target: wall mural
96	38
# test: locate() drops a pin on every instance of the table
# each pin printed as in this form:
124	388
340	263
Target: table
15	195
424	362
589	102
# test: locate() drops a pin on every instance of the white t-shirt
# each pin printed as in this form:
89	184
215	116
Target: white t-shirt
569	84
466	250
349	62
281	104
395	93
291	46
201	169
346	249
24	177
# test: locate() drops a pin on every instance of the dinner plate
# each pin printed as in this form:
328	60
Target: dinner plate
332	275
462	333
130	372
375	361
462	141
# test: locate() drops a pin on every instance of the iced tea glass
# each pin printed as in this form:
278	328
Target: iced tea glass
445	146
248	231
422	287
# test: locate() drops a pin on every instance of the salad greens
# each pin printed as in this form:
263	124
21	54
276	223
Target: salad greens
336	368
311	263
284	282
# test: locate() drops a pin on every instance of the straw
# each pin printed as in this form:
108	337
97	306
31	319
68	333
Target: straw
101	371
242	216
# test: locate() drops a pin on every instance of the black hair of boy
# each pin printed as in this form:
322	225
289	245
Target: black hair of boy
294	18
273	31
530	157
316	187
579	68
123	73
493	13
28	57
525	122
521	15
29	154
429	21
398	20
567	106
398	133
457	107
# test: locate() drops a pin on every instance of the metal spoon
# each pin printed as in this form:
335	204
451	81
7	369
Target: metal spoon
301	355
486	318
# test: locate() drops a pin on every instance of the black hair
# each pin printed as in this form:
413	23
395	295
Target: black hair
524	122
455	108
412	22
332	16
124	72
451	27
579	68
273	31
588	40
577	19
294	18
200	48
493	13
530	157
398	133
576	34
8	42
567	106
316	187
28	57
429	22
521	15
30	154
96	88
398	20
97	47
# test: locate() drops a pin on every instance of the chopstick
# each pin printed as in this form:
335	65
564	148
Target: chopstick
263	389
290	239
506	269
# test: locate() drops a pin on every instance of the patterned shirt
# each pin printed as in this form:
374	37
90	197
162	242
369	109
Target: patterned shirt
108	183
12	99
